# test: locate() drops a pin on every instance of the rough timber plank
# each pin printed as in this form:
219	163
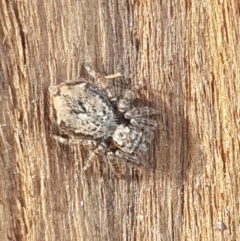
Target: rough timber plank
186	54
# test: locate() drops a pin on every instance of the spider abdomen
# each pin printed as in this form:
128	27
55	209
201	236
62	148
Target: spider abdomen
84	109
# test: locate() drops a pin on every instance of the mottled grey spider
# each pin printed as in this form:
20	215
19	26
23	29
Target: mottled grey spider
91	115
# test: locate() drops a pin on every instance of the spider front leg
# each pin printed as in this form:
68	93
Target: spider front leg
129	96
65	141
97	75
99	151
103	81
129	157
117	166
144	123
140	117
140	112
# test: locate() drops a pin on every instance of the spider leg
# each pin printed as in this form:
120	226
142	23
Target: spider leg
97	75
149	135
99	151
129	157
103	81
140	112
144	123
91	72
115	164
66	141
138	117
129	96
146	139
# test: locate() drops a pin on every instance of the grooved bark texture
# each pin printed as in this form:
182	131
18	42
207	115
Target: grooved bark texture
186	54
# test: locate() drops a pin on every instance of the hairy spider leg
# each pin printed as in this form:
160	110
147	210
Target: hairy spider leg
139	117
99	151
128	157
115	164
65	141
129	96
103	81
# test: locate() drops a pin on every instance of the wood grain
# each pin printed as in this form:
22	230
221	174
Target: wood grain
187	55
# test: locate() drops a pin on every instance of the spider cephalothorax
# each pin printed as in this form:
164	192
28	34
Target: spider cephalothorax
90	114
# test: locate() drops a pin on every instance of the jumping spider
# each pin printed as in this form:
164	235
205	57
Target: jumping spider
91	115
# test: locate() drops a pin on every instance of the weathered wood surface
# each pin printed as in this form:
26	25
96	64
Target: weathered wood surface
187	55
